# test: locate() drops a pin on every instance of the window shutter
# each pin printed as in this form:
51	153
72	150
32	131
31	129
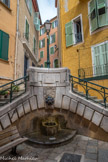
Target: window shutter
52	25
4	45
69	34
103	57
40	44
41	54
93	15
56	63
44	43
38	25
51	50
54	38
30	6
45	64
102	12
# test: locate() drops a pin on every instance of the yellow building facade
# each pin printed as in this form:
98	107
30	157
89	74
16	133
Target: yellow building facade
8	10
83	39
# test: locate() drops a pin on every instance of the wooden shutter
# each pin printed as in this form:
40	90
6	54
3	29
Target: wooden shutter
45	64
93	17
30	6
103	58
54	38
52	25
40	44
38	25
4	45
56	63
41	54
69	34
51	50
34	46
102	12
44	43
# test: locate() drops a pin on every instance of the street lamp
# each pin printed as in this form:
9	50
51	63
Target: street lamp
47	26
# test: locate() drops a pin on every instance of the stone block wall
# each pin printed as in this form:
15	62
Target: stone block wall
42	84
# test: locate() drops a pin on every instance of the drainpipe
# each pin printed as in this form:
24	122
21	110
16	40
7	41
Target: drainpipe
17	30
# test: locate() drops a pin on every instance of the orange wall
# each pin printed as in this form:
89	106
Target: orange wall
52	56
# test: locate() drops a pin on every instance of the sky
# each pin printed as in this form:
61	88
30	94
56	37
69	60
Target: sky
47	9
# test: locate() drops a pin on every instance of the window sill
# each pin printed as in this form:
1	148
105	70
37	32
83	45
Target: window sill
5	61
5	6
99	29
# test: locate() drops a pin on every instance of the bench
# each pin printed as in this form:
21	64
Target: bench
9	139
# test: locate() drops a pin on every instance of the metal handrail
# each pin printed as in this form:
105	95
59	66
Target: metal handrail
87	86
11	90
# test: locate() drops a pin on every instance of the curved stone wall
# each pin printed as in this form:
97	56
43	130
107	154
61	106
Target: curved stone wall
54	83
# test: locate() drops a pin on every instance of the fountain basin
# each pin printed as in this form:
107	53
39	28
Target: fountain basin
49	128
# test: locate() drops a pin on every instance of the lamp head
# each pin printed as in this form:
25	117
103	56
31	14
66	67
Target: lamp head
47	26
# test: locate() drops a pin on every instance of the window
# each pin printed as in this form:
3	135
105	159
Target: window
29	5
73	31
42	31
37	21
27	30
41	54
33	64
34	45
42	43
54	24
51	50
6	2
100	59
98	14
52	38
45	64
56	63
4	45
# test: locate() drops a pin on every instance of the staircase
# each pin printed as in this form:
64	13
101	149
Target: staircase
101	98
12	90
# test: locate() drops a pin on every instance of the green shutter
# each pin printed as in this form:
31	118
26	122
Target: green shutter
27	31
45	64
69	34
56	63
102	12
54	38
44	43
52	25
38	25
93	15
41	54
4	45
30	6
51	50
40	44
34	46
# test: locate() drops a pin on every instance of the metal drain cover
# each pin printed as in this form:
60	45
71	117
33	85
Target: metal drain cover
70	158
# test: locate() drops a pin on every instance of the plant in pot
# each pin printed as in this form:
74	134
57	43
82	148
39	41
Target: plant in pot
4	94
15	88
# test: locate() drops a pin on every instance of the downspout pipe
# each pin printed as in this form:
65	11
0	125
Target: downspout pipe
17	31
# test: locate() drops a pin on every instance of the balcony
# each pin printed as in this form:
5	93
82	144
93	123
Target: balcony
99	71
26	43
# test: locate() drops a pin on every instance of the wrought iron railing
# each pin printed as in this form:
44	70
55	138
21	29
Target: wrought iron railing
94	71
78	37
12	90
88	88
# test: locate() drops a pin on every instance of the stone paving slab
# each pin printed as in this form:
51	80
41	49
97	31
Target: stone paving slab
92	151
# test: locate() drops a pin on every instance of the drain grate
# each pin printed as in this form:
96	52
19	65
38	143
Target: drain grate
70	158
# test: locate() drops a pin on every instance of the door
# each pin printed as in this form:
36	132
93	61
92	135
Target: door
25	65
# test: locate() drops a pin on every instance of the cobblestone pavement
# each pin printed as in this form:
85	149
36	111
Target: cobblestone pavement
91	150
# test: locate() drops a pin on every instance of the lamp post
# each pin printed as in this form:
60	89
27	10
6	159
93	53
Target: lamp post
47	26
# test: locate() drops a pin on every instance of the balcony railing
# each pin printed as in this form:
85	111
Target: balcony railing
94	71
78	37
